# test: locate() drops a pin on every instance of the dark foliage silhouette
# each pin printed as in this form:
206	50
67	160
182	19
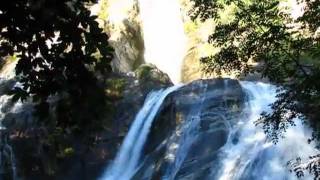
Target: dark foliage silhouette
55	42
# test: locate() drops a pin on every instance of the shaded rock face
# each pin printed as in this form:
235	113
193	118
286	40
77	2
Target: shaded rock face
192	126
35	160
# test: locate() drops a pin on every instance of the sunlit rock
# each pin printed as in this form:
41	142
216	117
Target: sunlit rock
121	20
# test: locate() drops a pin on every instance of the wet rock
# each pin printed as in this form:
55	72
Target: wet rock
205	110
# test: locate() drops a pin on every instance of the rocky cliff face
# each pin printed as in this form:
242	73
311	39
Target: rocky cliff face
197	47
120	19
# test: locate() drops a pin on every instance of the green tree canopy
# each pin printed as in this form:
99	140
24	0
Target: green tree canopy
287	49
56	42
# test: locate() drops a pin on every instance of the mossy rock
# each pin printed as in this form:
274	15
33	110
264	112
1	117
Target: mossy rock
149	72
115	87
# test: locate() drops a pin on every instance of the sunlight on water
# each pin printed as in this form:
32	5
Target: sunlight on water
8	71
119	10
164	38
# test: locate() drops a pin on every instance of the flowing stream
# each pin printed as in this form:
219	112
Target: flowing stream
250	157
125	164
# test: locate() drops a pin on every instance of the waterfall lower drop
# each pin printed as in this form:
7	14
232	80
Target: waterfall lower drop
164	37
127	159
253	157
189	133
246	155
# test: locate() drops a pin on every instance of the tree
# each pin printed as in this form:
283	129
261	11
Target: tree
55	42
61	53
288	50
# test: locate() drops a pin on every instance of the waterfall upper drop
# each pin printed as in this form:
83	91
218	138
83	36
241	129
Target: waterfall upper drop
164	37
127	159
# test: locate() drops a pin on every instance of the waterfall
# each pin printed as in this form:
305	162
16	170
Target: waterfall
7	74
126	161
253	157
246	155
189	129
6	152
164	36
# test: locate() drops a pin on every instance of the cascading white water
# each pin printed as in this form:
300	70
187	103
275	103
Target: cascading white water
250	157
7	73
164	37
126	161
253	157
190	130
6	152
